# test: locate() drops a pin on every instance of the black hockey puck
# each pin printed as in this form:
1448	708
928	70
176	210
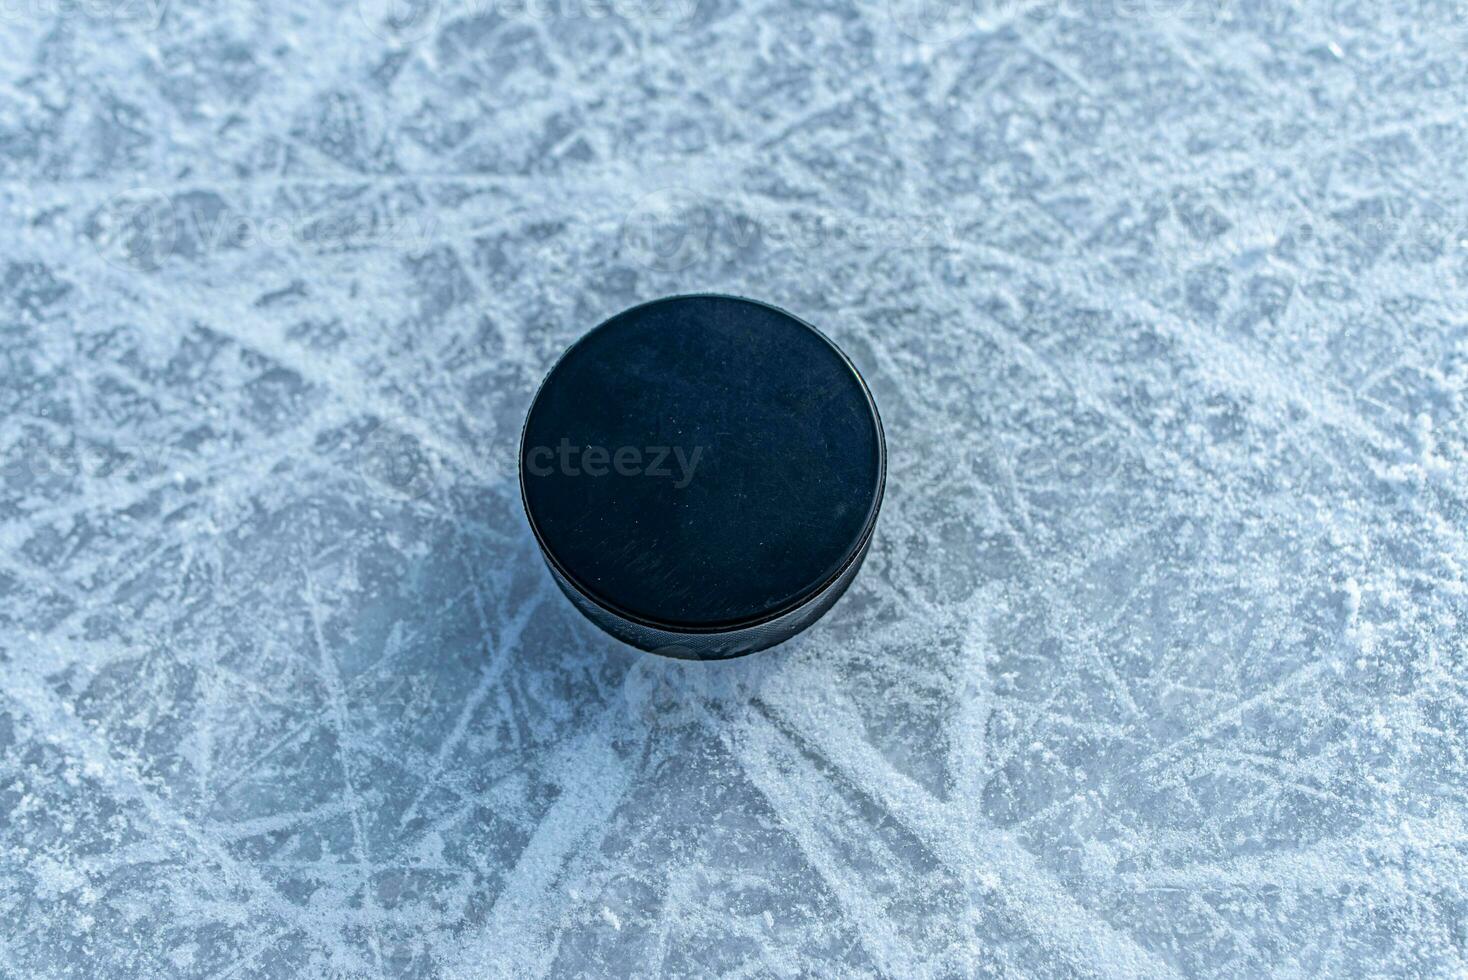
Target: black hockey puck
703	474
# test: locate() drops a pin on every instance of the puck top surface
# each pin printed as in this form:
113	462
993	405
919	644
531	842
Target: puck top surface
702	463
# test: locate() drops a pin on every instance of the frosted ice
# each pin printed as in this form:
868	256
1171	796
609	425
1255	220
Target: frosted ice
1157	665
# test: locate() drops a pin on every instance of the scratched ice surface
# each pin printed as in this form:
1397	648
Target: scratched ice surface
1157	665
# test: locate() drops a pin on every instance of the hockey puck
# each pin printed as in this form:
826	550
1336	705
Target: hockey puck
703	475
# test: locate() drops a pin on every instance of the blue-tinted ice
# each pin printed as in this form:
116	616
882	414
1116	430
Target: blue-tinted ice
1157	665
